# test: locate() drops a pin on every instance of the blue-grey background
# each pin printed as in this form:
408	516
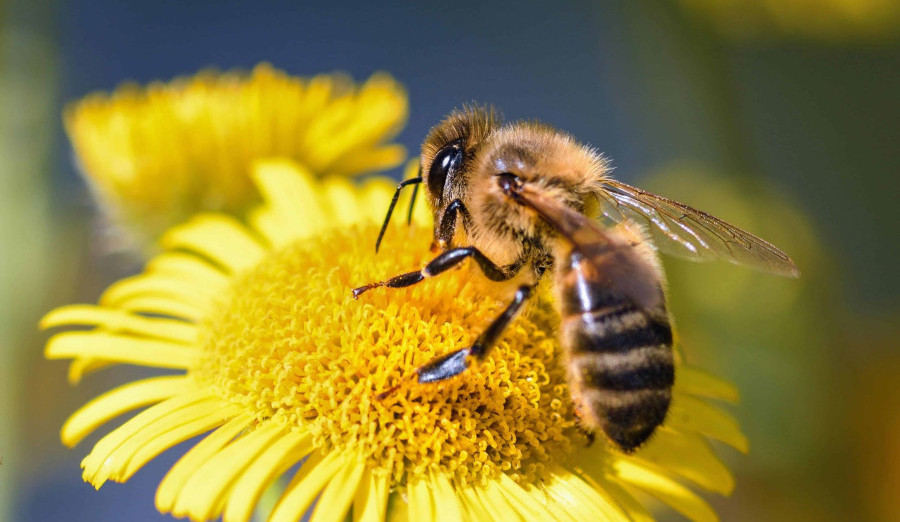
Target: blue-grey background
810	123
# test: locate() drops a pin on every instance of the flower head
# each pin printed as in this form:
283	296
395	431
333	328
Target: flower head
157	155
281	366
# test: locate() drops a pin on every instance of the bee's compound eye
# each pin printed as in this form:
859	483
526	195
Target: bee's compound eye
446	161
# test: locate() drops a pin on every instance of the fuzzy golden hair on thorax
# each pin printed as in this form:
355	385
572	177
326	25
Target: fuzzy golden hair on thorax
540	154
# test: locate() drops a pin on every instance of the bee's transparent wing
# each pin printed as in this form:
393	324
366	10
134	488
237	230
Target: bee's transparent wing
608	254
679	230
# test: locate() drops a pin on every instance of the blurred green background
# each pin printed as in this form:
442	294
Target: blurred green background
780	117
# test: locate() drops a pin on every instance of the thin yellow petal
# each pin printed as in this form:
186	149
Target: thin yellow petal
381	158
698	382
312	477
371	499
690	414
120	348
94	462
172	484
154	285
338	494
114	466
115	320
473	505
689	456
680	498
290	190
276	459
492	500
375	196
572	495
222	239
204	495
154	444
629	504
421	501
449	506
82	366
163	306
267	223
120	400
340	195
527	502
189	266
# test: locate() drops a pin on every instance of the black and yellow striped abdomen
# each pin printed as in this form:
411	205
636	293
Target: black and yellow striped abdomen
620	360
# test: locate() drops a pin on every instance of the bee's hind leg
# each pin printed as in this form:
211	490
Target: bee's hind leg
454	363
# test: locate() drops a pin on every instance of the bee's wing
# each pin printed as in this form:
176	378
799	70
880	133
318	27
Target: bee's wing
679	230
611	255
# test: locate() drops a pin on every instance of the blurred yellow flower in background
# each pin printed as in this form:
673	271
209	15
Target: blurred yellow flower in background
829	20
156	155
276	359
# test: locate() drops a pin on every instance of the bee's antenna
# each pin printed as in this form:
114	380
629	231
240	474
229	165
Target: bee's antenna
387	219
412	204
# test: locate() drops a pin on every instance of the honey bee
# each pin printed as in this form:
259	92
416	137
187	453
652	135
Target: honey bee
522	199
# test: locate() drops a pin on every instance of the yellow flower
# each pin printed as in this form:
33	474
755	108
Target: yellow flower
277	361
157	155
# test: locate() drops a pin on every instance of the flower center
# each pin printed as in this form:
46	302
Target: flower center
290	343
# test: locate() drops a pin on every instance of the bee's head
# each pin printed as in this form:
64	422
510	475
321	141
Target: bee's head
447	154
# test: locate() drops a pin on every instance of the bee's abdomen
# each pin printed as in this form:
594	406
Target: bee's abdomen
621	364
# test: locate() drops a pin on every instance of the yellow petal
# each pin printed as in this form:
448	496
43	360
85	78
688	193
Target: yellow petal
205	492
371	498
421	502
629	504
94	462
172	484
175	289
375	197
267	223
698	382
116	320
145	448
312	477
222	239
529	503
381	158
82	366
576	498
689	456
335	500
275	460
680	498
290	191
492	500
120	400
473	505
120	348
163	306
340	196
188	266
449	507
690	414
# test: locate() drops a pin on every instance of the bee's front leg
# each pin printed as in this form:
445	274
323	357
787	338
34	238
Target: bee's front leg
441	263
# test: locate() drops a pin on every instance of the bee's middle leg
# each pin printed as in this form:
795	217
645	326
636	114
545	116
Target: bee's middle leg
441	263
454	363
